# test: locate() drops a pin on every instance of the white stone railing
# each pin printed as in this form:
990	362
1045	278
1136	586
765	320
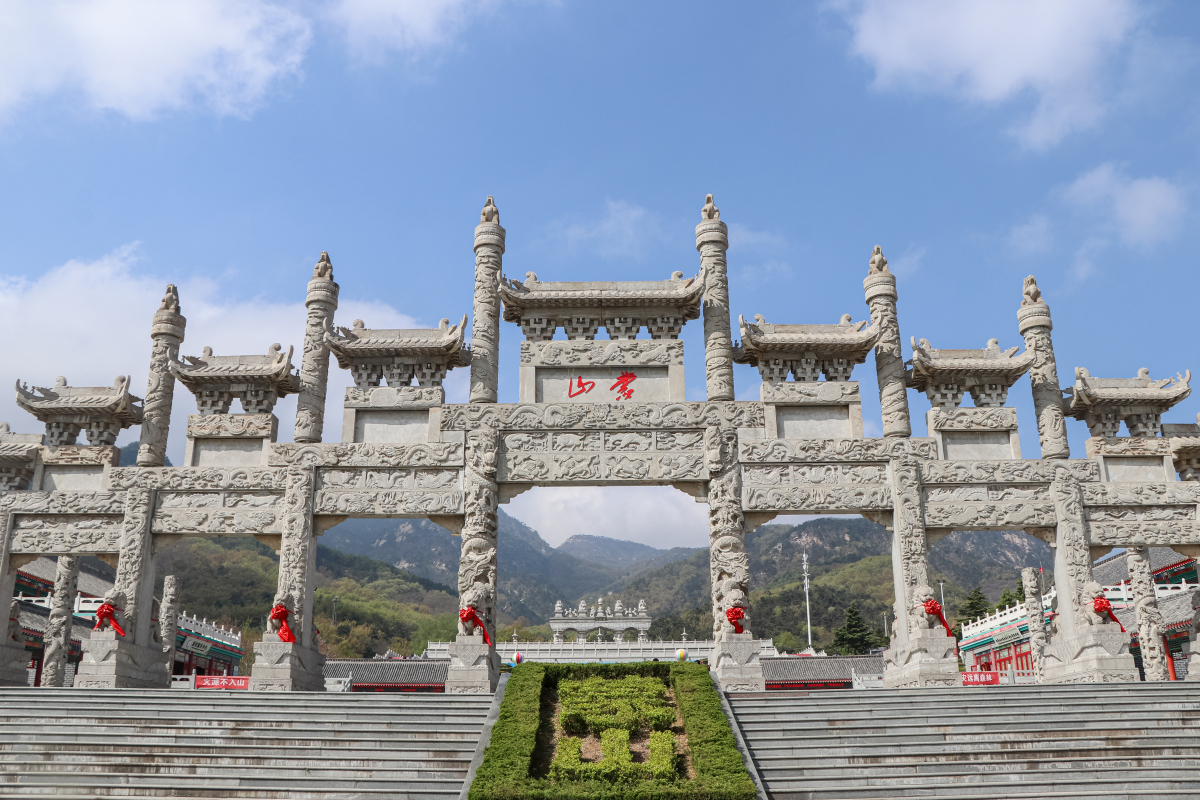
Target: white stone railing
1004	616
210	630
569	652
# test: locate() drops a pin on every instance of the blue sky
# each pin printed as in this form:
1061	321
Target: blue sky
222	145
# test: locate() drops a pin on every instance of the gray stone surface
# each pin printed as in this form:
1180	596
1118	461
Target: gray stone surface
166	332
320	303
712	240
57	637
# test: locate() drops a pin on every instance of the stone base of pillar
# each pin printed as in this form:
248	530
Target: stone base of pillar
735	663
1096	655
1193	665
474	666
286	667
113	662
14	665
928	658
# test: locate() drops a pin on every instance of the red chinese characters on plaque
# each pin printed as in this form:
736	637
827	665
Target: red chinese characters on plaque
981	678
578	386
222	682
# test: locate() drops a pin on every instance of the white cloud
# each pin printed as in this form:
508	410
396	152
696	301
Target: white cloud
373	28
141	57
1031	236
90	321
655	515
1143	211
907	263
625	230
742	237
756	274
995	51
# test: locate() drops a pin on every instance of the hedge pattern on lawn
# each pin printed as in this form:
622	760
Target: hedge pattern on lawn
505	771
616	764
595	705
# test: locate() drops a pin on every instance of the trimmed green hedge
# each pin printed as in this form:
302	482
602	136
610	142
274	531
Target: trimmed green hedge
506	770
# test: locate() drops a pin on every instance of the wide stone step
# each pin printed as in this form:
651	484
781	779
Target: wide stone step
92	781
773	759
277	772
966	747
332	748
298	731
349	759
1108	788
1059	767
965	726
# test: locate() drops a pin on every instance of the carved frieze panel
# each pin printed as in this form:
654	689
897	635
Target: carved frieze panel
217	513
66	533
1138	513
803	450
959	515
985	493
374	478
1103	494
587	465
232	426
198	478
63	502
388	503
615	352
602	416
810	392
1128	446
1032	471
950	418
395	397
81	454
811	498
363	454
822	474
1151	533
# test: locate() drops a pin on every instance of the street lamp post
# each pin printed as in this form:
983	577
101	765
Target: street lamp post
807	612
942	589
335	602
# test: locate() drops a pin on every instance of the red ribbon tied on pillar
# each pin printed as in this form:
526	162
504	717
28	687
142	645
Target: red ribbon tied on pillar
107	612
1101	606
735	615
934	609
280	613
468	615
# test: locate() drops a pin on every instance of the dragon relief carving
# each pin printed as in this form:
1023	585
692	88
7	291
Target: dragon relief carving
477	564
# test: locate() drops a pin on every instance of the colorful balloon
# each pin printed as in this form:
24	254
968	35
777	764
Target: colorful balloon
681	654
518	658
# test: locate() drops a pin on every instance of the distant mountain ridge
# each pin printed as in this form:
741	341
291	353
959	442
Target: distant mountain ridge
626	556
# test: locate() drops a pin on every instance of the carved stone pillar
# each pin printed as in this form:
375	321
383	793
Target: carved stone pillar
14	658
321	302
298	665
1085	647
1037	620
58	629
735	657
921	652
135	660
880	289
168	619
485	325
1193	664
712	240
1033	320
1149	618
166	331
474	663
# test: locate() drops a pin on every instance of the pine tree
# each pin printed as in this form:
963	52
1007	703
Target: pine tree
856	637
974	607
1013	597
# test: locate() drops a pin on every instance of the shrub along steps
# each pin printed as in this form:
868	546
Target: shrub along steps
67	743
1131	740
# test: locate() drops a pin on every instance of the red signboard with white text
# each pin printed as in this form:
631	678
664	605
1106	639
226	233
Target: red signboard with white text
981	678
222	682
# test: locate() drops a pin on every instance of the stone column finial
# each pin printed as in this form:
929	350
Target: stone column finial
712	240
1037	620
321	302
880	289
485	322
1033	321
166	332
1149	618
58	629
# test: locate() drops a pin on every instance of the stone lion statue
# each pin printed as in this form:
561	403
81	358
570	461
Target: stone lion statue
477	596
921	620
274	625
1091	592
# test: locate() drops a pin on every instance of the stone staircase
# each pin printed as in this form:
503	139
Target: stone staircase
67	744
1112	741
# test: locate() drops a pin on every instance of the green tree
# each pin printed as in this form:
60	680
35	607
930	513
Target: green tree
1011	597
856	637
974	607
787	642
